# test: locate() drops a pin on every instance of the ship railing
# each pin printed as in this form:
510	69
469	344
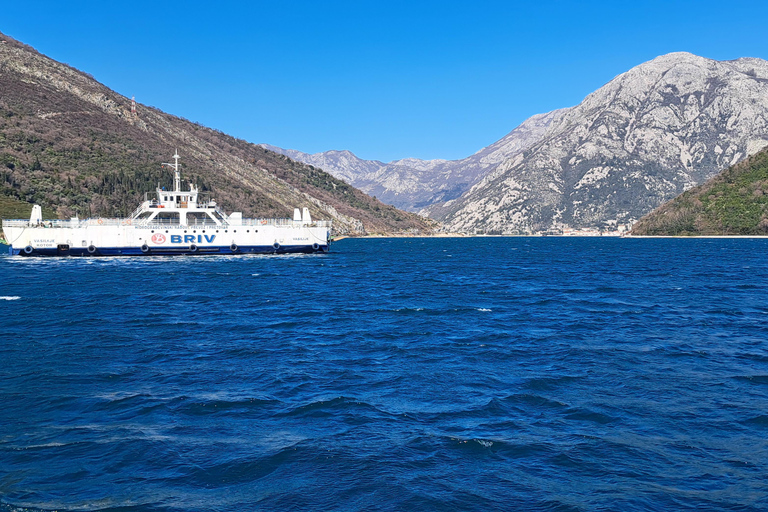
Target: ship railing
202	223
174	223
265	222
157	223
15	223
283	222
100	221
58	223
53	223
136	211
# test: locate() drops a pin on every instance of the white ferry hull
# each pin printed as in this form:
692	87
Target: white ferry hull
176	222
128	240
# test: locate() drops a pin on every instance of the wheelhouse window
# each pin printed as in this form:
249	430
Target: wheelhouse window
167	218
199	219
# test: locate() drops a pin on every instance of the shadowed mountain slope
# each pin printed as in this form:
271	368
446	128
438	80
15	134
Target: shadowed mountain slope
72	145
649	134
414	184
735	202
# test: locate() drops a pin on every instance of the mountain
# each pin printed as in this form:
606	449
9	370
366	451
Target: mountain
648	135
73	145
413	184
645	137
735	202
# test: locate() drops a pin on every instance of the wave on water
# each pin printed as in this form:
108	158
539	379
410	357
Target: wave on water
516	374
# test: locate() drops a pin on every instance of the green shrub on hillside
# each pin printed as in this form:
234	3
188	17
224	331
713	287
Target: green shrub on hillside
735	202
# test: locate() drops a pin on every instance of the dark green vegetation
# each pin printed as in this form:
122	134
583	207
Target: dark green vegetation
12	208
73	146
735	202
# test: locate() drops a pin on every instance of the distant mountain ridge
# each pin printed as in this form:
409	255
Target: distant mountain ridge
72	145
413	184
661	128
640	140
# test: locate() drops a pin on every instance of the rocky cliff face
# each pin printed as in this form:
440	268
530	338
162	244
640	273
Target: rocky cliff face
72	145
413	184
642	139
734	202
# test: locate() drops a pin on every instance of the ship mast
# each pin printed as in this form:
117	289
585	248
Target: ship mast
176	171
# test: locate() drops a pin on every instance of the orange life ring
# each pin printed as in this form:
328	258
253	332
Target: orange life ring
263	222
101	221
128	222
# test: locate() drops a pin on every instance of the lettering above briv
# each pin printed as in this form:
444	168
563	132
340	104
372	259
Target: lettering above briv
190	239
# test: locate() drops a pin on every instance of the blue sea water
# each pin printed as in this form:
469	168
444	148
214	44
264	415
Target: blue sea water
393	374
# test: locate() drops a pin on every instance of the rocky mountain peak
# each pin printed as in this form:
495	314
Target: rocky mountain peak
413	184
652	132
646	136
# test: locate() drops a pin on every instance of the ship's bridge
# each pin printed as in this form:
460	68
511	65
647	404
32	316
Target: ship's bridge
178	207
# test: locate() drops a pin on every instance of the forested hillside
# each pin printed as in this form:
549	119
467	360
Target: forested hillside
735	202
74	146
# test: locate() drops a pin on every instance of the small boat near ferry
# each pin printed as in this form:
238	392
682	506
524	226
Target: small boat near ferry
175	222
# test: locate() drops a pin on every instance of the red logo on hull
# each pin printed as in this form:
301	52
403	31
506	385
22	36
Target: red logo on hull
158	238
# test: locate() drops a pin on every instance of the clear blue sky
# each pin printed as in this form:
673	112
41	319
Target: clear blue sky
385	79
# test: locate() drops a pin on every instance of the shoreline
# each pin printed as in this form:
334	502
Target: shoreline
461	235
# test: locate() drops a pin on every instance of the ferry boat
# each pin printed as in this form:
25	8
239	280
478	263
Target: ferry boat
174	222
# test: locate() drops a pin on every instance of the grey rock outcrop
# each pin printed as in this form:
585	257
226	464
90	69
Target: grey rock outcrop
640	140
413	184
646	136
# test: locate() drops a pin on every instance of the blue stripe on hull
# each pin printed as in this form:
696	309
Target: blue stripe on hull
172	251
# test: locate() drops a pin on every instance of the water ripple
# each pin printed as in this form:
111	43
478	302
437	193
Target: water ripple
412	374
